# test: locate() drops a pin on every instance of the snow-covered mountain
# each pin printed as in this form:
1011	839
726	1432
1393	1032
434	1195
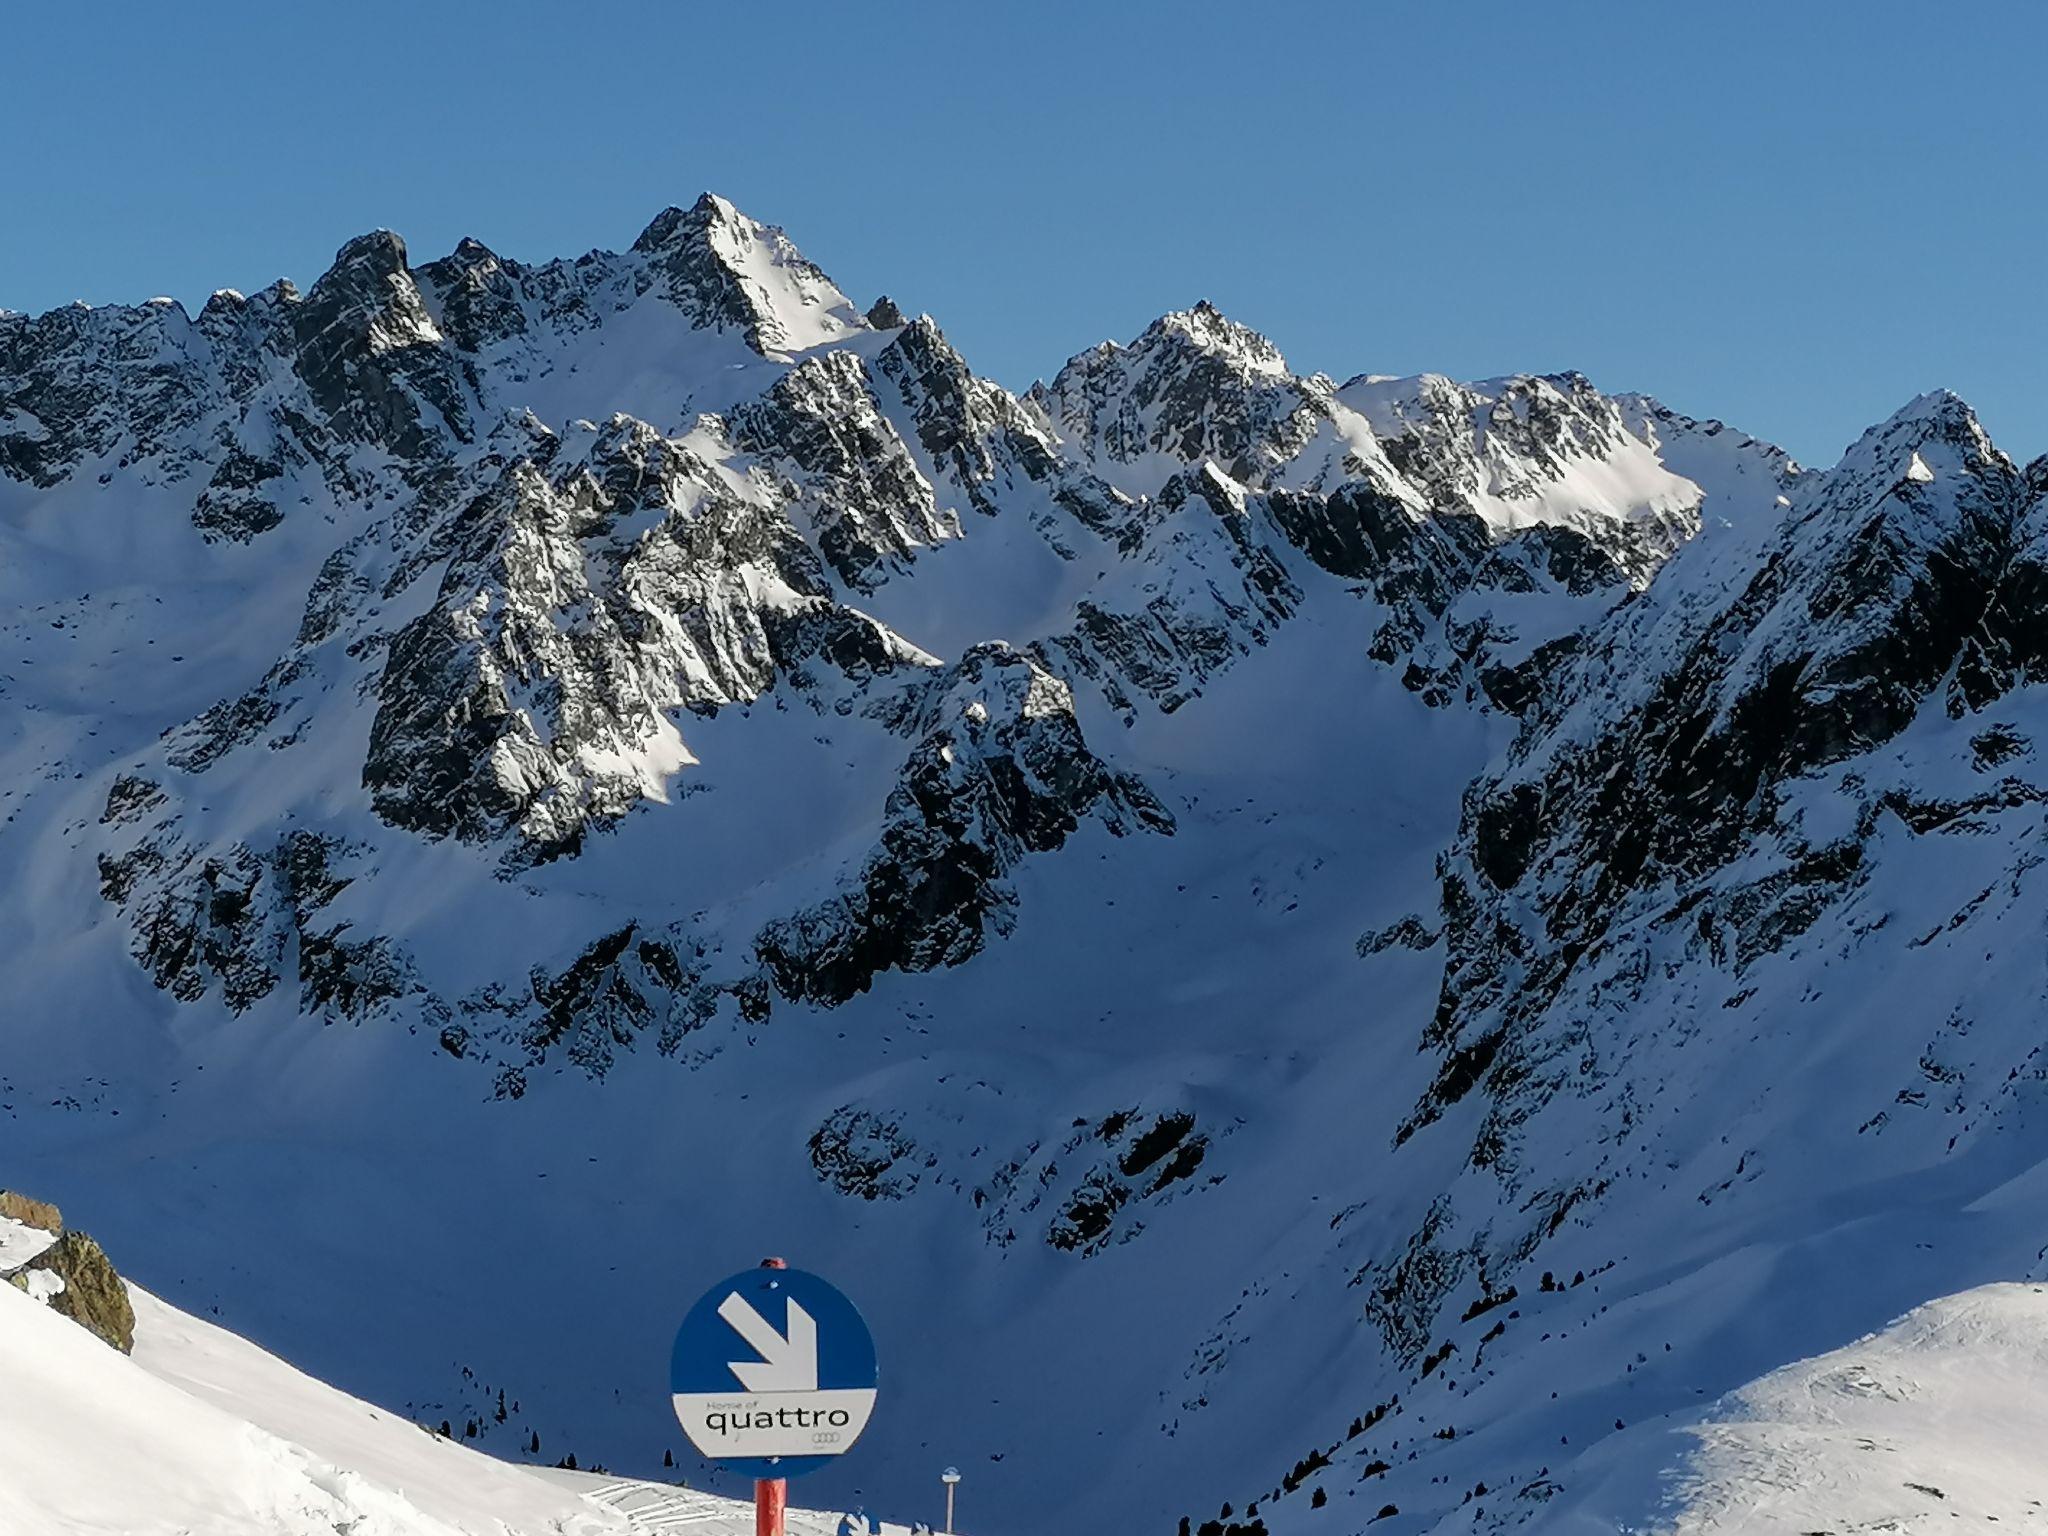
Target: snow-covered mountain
1297	946
202	1431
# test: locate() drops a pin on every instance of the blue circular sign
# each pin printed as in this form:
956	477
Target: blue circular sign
773	1373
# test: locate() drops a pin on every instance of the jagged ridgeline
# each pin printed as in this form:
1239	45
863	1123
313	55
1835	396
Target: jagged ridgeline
563	514
1461	897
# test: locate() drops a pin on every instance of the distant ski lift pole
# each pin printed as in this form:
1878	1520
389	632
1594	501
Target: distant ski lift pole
951	1478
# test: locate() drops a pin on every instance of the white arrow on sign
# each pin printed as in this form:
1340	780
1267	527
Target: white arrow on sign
787	1364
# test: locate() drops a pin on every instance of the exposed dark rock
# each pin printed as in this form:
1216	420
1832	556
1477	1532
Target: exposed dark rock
695	257
1409	932
1195	387
860	490
30	1212
1658	805
131	798
1001	771
367	351
861	1153
231	507
93	1296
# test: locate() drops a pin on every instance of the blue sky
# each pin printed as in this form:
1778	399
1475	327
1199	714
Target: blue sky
1793	216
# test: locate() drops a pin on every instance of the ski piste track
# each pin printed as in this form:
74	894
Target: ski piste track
661	1509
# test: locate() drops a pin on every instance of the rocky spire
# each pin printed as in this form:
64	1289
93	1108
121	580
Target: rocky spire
730	273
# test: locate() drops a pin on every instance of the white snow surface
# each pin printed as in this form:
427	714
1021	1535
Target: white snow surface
1624	478
1934	1423
20	1242
203	1432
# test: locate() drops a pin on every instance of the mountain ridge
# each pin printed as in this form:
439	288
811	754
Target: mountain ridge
1255	878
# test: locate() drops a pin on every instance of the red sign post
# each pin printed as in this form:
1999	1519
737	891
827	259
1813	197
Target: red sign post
771	1502
802	1401
771	1494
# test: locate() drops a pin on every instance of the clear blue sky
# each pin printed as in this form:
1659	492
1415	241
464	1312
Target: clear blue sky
1791	215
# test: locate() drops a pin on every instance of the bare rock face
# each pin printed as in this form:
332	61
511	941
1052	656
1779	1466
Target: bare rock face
1657	817
30	1212
727	272
581	599
92	1295
856	484
69	1273
371	356
1214	586
1000	771
1096	1190
84	384
1196	387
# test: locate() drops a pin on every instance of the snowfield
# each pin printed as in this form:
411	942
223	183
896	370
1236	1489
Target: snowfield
1940	1418
203	1434
20	1242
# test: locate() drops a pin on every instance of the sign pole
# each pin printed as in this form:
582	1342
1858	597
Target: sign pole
772	1375
771	1494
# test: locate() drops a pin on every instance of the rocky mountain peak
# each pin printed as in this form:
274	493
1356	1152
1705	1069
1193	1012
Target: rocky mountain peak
1194	385
1207	328
369	291
694	225
224	302
370	353
728	271
376	256
1937	427
478	298
470	257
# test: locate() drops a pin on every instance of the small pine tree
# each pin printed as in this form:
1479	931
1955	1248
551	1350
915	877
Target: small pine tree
447	1433
534	1448
501	1405
668	1458
1319	1498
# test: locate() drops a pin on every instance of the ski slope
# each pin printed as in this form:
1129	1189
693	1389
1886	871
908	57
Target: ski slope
1935	1423
202	1433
